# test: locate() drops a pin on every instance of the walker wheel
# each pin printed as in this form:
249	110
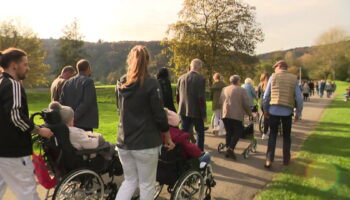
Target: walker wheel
221	147
246	153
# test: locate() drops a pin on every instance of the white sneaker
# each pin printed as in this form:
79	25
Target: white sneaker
264	136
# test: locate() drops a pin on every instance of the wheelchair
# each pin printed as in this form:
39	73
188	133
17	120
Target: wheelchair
185	179
78	173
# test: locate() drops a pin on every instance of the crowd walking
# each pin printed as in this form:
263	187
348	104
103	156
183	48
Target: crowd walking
149	116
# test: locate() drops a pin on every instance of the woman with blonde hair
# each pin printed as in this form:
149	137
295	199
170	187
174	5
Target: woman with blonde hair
264	79
142	120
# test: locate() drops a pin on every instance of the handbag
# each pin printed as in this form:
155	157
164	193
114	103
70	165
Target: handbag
42	172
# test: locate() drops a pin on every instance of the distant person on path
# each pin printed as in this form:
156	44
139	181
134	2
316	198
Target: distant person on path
249	88
334	87
329	89
16	168
216	89
79	93
347	94
321	87
317	88
264	79
235	105
142	120
282	95
312	88
165	87
306	91
192	103
56	86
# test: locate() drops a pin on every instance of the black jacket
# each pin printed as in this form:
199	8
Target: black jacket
142	115
15	126
79	93
167	94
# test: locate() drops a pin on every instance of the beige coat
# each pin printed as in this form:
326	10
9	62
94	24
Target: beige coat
235	103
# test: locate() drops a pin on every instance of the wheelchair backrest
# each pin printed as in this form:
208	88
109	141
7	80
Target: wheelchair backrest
59	150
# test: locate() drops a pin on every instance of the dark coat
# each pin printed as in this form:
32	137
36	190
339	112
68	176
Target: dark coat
142	115
79	93
191	95
216	89
167	94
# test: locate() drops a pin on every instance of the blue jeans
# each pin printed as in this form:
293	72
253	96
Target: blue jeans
198	123
205	158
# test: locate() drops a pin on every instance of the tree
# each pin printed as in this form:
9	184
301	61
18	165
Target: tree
330	51
13	34
212	30
70	46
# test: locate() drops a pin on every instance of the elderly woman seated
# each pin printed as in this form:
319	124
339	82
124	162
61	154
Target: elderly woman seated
79	138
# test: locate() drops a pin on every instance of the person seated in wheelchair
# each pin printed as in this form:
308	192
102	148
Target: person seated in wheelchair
179	137
79	138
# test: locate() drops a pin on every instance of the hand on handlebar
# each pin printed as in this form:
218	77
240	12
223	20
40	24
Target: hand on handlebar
169	144
45	132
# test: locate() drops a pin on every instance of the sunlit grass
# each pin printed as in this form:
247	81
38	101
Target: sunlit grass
322	168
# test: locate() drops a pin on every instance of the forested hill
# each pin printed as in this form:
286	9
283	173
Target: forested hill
297	52
106	57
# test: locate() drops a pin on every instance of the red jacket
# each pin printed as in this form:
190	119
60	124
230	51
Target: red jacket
181	138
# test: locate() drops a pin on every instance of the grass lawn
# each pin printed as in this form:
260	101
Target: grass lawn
108	116
322	168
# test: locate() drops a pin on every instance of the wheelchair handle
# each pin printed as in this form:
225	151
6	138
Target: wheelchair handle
32	117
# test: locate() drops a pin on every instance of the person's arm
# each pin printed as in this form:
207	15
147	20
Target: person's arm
267	97
13	108
202	100
159	115
88	99
299	102
79	138
178	91
157	108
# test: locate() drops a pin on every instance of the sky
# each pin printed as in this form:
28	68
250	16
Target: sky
285	23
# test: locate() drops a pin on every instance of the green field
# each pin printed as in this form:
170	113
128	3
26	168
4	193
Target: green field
322	168
108	116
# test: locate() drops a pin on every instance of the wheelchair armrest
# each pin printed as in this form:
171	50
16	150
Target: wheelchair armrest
92	151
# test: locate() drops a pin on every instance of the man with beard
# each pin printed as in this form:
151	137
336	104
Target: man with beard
16	168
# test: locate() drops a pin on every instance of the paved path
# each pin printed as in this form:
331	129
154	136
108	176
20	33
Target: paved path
242	179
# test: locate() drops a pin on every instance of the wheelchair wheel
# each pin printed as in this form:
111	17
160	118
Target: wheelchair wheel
80	184
159	188
246	153
221	147
190	186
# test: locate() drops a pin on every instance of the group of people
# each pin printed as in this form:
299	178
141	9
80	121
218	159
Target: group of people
308	88
147	114
279	95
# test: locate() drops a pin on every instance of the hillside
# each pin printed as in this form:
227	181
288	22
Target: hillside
106	57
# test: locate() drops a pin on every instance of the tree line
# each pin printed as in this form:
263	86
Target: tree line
222	33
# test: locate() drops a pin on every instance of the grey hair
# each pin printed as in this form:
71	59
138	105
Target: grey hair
248	81
196	63
234	79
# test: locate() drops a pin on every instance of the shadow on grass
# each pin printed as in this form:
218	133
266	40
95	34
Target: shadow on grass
328	145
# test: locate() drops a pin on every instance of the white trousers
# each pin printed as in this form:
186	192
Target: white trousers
140	170
17	174
218	123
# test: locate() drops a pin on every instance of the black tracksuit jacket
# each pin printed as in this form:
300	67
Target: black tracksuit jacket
15	126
